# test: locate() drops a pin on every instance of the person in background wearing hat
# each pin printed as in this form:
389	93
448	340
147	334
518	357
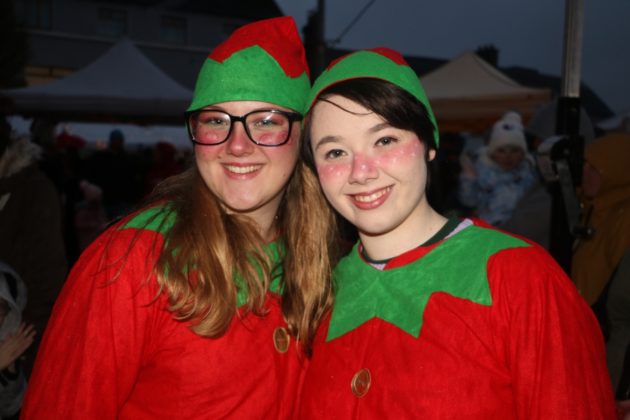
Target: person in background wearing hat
196	305
501	174
433	317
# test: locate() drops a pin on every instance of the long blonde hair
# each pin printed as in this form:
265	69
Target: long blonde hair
206	249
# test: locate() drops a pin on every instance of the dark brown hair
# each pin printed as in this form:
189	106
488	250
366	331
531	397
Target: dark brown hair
397	106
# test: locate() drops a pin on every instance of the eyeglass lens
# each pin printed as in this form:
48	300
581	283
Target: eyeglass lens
263	127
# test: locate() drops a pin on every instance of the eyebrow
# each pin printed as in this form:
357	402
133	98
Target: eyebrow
325	140
379	127
335	139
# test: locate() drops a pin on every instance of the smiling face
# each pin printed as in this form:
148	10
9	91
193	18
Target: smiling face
245	177
373	174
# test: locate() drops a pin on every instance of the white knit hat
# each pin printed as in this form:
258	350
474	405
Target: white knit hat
508	131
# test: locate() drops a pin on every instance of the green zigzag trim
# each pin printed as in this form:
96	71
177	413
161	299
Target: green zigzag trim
399	296
249	75
275	250
158	219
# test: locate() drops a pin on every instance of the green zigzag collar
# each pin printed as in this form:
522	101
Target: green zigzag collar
160	219
400	295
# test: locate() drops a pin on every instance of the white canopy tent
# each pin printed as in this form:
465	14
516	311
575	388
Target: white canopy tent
469	94
618	122
121	85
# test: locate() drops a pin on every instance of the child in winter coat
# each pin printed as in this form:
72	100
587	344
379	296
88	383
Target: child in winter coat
500	173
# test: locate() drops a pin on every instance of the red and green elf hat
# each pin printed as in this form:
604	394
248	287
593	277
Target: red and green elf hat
378	63
261	61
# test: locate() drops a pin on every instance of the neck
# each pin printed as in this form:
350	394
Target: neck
269	231
265	221
417	229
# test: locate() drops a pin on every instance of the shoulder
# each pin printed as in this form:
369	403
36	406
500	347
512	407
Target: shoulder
526	260
513	244
525	275
519	271
476	234
467	252
158	218
137	239
123	258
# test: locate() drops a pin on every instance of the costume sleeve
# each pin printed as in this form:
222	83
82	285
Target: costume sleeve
554	346
100	332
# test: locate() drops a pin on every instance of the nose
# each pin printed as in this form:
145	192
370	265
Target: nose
363	169
238	143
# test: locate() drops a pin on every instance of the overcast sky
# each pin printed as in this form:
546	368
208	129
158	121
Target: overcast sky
528	33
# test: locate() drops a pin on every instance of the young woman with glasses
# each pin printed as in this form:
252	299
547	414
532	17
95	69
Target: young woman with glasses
197	305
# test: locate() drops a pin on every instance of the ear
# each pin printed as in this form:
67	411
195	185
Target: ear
432	154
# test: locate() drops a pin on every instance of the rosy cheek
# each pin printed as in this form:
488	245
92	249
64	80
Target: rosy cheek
331	172
400	155
205	152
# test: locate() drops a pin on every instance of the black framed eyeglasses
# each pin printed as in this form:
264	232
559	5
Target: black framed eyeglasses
266	127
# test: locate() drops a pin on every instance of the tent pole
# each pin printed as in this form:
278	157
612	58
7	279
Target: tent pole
568	153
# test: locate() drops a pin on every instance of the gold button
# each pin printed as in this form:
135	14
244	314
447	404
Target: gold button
281	339
361	382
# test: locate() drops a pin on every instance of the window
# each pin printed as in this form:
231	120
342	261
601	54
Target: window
173	30
112	22
34	14
36	75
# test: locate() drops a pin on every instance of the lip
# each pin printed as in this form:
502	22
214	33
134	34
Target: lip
371	199
241	170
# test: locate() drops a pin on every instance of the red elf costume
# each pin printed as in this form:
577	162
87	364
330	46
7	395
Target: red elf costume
114	350
472	324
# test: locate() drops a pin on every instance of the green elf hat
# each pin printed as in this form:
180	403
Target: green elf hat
261	61
378	63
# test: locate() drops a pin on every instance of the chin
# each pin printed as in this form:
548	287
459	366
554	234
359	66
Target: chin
374	229
241	206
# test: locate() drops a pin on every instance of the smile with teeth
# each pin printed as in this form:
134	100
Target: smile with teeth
242	169
367	198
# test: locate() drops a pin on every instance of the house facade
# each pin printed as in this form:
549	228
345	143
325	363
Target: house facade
65	35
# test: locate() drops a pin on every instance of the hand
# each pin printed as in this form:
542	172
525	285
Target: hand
16	344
